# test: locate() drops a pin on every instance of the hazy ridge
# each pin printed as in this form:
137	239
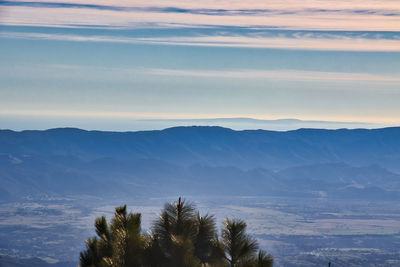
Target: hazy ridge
73	161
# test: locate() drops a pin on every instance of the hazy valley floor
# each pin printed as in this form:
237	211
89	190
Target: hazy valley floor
298	232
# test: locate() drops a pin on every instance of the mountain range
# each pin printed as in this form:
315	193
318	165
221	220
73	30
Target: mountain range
346	163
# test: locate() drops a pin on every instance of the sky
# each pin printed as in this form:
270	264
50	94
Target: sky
134	65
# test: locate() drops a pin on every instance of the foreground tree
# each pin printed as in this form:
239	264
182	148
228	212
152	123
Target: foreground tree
119	244
175	231
180	237
208	249
264	259
238	246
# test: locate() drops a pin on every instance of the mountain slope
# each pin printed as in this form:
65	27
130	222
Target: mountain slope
201	160
215	146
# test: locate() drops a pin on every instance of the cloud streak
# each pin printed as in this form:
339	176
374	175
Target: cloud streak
316	25
313	15
205	11
108	74
304	42
275	74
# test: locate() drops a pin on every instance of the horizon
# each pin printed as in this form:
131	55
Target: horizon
197	126
236	124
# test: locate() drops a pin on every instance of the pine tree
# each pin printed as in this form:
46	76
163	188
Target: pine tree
238	245
180	237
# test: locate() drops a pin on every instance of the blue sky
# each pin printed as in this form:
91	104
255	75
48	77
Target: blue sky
80	64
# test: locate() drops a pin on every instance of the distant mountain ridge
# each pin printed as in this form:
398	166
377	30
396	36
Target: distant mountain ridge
251	123
142	124
201	160
215	146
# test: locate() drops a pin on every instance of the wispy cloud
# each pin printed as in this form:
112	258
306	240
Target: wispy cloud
205	11
316	25
112	74
275	74
305	41
312	15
